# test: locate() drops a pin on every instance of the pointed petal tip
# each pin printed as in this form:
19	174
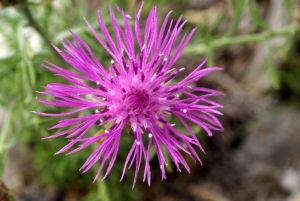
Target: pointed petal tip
219	68
84	18
222	94
103	179
95	179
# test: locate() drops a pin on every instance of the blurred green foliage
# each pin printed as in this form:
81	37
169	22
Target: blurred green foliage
26	32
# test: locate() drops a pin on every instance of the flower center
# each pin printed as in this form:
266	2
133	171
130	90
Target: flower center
136	100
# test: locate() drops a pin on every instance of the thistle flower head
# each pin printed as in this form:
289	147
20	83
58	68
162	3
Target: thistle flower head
135	91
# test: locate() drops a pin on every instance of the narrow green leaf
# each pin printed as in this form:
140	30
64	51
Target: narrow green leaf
258	21
269	64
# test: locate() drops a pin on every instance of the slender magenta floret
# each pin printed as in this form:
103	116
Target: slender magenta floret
134	91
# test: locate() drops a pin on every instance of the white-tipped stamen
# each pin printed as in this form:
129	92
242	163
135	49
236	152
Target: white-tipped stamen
189	87
181	69
165	59
112	61
150	135
173	125
138	142
162	54
143	46
101	120
98	82
184	110
97	111
162	99
106	131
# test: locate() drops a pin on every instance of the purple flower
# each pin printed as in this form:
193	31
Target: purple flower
135	92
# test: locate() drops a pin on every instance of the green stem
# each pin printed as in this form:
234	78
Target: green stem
102	189
34	23
226	41
210	56
3	142
4	132
27	13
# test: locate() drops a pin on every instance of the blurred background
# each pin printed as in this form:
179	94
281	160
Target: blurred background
256	157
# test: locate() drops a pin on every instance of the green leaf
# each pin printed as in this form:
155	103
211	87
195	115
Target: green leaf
238	8
269	64
258	21
213	27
